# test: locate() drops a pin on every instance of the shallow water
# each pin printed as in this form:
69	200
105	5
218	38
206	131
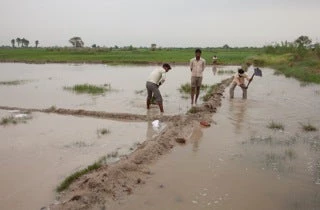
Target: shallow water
44	86
37	155
239	163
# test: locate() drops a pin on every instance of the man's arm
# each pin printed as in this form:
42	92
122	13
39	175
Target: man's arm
163	78
191	65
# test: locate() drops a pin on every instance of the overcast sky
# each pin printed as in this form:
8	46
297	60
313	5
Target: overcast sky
176	23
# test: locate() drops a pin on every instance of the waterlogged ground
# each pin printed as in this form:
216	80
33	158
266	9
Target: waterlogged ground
239	163
42	86
37	153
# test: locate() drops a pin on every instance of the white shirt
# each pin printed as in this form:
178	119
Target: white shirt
197	67
157	76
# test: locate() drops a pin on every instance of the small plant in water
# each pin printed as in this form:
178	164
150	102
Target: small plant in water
275	126
13	82
8	120
308	127
103	131
186	88
90	89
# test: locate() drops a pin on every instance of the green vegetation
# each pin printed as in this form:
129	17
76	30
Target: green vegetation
90	89
209	92
128	55
13	82
186	88
308	127
70	179
226	72
298	59
103	131
193	110
8	120
275	126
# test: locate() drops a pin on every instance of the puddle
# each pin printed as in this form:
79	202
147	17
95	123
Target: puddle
37	155
239	163
127	82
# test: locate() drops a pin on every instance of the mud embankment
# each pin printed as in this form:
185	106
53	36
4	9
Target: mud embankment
112	182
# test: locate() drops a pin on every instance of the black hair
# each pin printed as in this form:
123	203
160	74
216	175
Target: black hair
240	71
166	65
198	51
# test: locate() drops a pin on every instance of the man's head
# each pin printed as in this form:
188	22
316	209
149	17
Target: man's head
166	67
198	53
240	72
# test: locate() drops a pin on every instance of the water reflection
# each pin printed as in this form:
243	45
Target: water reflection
237	109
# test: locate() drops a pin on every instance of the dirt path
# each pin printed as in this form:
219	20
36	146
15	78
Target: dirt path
112	182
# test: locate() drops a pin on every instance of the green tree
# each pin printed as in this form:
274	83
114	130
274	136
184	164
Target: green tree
94	46
226	46
13	41
36	43
303	41
76	41
18	40
153	47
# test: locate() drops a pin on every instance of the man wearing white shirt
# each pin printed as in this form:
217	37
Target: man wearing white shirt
197	66
156	78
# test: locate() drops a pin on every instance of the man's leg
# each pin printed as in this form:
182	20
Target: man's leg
233	86
193	88
149	90
244	93
158	97
199	83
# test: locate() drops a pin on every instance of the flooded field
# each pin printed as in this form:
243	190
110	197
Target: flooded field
37	153
260	153
241	164
42	86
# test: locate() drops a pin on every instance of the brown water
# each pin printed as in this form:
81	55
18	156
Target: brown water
239	163
36	156
44	86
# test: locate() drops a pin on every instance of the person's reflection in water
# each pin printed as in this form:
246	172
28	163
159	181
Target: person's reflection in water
237	110
196	138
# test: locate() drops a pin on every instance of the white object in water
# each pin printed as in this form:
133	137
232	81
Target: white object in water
21	116
156	124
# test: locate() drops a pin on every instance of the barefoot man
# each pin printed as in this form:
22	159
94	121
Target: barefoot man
197	66
239	80
156	78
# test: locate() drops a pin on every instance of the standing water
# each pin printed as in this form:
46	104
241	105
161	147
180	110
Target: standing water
243	162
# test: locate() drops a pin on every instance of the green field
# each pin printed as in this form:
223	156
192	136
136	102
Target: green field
306	68
121	56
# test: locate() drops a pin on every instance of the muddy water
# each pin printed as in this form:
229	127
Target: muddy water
35	157
239	163
44	86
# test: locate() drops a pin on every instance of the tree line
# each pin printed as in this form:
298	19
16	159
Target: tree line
22	42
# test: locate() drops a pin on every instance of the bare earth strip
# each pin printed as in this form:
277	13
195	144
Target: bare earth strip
112	182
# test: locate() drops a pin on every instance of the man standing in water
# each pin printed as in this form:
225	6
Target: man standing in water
197	66
214	64
239	79
156	78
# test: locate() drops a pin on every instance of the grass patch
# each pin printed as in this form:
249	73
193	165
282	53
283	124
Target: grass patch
234	56
8	120
13	82
209	92
275	126
186	88
308	127
103	131
226	72
70	179
89	89
193	110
